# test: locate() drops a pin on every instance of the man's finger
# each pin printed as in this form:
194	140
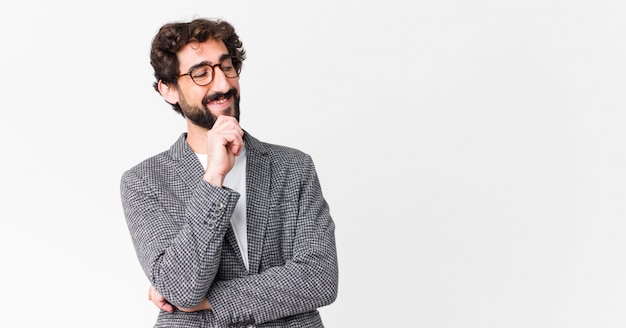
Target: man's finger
167	307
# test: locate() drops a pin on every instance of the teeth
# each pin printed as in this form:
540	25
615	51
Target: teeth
219	101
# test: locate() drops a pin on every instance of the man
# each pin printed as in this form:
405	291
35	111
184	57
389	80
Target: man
230	231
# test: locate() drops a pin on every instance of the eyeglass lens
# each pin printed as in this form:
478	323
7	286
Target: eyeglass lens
203	75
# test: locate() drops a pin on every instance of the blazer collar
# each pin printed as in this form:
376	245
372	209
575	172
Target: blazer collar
180	149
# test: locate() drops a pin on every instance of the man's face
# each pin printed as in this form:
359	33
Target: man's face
203	104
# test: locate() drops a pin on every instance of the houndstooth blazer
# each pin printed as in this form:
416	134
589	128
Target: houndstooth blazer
180	228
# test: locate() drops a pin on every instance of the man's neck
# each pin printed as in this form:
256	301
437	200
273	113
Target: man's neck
197	138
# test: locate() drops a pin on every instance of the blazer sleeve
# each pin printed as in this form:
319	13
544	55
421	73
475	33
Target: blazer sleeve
178	245
308	279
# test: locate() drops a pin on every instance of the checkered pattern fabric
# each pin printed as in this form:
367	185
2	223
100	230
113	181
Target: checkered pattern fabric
180	227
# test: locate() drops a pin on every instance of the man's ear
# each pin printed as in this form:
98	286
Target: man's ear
168	92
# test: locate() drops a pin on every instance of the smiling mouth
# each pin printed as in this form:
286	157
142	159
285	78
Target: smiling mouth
220	98
219	101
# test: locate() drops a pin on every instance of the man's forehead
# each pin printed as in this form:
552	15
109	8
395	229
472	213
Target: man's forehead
210	51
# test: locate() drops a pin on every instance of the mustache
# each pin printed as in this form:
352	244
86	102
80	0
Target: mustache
216	96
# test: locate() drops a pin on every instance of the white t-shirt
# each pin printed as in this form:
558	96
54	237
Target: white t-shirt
236	180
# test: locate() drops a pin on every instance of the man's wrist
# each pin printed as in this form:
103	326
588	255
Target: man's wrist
215	180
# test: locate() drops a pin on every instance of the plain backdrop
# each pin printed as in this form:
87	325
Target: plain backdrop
472	153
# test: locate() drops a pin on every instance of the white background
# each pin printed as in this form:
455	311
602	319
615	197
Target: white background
472	153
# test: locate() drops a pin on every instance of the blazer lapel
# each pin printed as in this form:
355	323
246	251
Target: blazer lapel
258	176
189	167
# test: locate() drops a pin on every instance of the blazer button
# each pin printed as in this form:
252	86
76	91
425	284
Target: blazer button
211	225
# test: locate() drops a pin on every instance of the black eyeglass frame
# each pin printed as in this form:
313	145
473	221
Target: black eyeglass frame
233	59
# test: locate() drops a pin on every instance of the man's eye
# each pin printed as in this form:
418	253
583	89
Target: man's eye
200	74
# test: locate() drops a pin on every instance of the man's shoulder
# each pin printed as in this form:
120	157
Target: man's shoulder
149	167
155	162
277	152
285	150
152	161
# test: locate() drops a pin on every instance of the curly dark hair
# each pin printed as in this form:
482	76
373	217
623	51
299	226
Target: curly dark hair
174	36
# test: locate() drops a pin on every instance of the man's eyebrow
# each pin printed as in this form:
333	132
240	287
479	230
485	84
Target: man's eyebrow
202	63
223	57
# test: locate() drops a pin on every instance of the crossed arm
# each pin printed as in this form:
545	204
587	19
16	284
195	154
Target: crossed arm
164	305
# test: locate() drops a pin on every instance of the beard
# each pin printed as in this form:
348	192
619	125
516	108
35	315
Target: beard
201	116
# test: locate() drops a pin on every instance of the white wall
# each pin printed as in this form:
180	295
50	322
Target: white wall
472	153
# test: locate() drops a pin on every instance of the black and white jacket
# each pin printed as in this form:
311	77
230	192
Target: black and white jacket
180	227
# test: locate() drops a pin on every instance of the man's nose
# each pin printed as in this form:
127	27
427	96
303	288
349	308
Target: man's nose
220	81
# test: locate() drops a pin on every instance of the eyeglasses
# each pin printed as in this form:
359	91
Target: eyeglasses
203	74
